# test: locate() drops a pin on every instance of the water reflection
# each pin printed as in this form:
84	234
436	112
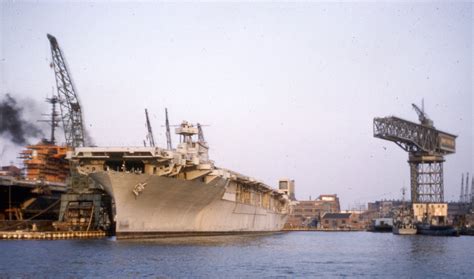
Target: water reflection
217	240
293	254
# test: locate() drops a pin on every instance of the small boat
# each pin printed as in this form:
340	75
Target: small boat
404	229
466	230
404	224
381	225
437	230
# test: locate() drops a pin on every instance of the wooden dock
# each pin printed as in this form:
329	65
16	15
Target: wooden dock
51	235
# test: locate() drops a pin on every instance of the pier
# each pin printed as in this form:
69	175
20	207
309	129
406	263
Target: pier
52	235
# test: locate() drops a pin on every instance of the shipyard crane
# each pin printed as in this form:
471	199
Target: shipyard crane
71	112
169	145
83	200
149	136
422	116
426	147
466	189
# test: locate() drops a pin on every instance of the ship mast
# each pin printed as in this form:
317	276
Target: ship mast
53	122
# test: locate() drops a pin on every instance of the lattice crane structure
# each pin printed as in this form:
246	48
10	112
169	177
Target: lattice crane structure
149	136
71	112
426	147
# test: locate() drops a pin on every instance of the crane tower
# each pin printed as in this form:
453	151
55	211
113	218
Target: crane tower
68	101
426	147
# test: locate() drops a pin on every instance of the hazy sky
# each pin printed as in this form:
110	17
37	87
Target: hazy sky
288	89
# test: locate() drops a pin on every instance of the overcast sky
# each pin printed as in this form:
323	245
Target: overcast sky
289	90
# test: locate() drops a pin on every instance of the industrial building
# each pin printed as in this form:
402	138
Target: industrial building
308	213
342	221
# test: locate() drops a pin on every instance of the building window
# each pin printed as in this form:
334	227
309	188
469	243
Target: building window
283	185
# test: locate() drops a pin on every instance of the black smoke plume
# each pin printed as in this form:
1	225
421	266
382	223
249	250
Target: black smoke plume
13	124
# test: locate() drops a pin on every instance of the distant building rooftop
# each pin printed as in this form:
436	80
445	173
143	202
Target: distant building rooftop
336	215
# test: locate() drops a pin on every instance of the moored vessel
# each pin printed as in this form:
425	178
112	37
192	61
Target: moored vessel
404	224
437	230
381	225
404	230
180	191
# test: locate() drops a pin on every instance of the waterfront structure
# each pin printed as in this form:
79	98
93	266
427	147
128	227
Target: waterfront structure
341	221
426	147
10	170
384	208
27	200
308	213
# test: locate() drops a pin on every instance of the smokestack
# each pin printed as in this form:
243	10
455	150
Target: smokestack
12	123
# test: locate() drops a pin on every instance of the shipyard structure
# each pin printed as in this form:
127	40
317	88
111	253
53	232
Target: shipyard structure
426	147
138	191
31	195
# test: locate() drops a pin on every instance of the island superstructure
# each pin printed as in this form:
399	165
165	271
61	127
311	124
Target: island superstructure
160	191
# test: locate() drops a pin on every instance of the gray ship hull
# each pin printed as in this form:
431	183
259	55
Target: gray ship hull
170	206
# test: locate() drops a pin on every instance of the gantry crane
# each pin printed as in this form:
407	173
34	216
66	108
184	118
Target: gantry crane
426	147
71	112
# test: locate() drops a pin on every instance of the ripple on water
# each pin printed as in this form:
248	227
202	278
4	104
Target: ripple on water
290	255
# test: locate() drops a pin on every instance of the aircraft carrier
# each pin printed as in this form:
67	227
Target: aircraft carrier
159	191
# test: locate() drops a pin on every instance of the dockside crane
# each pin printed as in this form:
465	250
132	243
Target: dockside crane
466	190
71	112
149	136
422	116
426	147
84	206
169	144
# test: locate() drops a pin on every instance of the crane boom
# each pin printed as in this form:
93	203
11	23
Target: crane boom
422	116
414	137
71	112
150	137
168	133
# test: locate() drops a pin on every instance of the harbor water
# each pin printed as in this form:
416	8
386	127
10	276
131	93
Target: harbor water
289	254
